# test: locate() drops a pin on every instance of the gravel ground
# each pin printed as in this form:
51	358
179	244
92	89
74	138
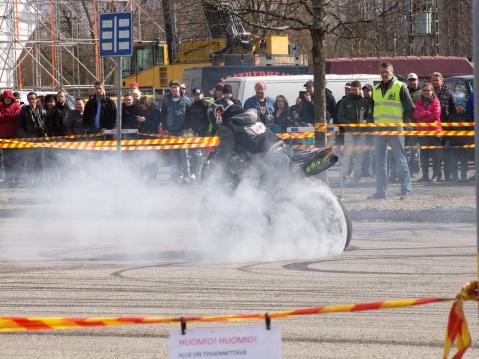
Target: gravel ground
430	202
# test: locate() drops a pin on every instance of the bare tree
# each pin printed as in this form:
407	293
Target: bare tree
318	19
328	28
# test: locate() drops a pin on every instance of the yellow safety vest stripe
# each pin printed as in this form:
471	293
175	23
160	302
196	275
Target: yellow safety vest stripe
388	108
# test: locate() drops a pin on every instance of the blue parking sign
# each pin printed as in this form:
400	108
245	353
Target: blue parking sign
116	34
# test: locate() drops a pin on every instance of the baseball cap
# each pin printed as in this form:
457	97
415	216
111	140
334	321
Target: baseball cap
174	82
134	85
227	88
412	75
196	91
367	86
309	83
347	85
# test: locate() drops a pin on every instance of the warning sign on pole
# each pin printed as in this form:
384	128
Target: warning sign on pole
252	342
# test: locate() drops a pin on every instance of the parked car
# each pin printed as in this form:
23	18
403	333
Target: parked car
461	84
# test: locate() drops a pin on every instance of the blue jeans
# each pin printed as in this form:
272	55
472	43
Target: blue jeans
397	148
177	158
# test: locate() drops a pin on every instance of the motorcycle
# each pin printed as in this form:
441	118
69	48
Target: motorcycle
244	201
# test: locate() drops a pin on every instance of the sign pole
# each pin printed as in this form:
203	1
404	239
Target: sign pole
116	40
119	80
475	59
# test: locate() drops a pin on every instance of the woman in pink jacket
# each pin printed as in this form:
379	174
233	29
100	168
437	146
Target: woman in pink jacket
428	109
9	119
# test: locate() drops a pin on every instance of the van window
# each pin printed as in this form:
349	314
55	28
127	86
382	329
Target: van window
470	87
235	85
451	83
289	89
460	87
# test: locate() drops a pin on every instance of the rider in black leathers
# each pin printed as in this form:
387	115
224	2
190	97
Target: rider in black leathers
242	134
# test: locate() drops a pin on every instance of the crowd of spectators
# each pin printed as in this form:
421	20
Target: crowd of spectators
389	158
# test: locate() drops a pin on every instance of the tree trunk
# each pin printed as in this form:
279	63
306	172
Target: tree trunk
318	35
319	98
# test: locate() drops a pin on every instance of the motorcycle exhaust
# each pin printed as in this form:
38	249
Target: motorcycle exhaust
320	162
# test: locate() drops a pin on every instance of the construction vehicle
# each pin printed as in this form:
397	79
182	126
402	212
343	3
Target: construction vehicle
155	63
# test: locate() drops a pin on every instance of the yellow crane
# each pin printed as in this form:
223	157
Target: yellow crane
155	63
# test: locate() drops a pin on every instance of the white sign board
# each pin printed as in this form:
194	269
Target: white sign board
255	342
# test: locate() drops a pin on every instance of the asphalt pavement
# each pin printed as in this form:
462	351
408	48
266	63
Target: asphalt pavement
78	258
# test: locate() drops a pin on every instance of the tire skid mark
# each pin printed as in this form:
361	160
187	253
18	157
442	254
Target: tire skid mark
305	266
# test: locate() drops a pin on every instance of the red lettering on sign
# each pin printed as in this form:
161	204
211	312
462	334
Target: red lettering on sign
197	341
238	340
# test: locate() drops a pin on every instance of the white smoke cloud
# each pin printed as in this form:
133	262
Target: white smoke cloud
106	211
293	220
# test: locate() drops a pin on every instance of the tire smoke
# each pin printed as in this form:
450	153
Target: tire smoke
105	211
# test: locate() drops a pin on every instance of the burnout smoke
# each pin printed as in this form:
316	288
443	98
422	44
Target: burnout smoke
101	206
103	210
287	218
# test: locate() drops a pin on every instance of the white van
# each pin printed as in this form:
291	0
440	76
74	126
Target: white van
289	86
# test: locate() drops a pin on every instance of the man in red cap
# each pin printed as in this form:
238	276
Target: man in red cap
9	119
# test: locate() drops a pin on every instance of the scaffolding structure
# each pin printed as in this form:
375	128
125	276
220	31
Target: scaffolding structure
53	44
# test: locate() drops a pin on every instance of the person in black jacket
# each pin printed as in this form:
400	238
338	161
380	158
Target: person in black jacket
32	119
353	109
196	120
196	117
368	155
228	94
152	115
131	114
132	118
448	108
241	132
459	155
74	121
100	111
307	108
282	119
55	126
55	117
151	159
32	125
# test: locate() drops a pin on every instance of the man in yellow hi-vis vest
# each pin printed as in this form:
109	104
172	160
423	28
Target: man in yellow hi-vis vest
392	104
